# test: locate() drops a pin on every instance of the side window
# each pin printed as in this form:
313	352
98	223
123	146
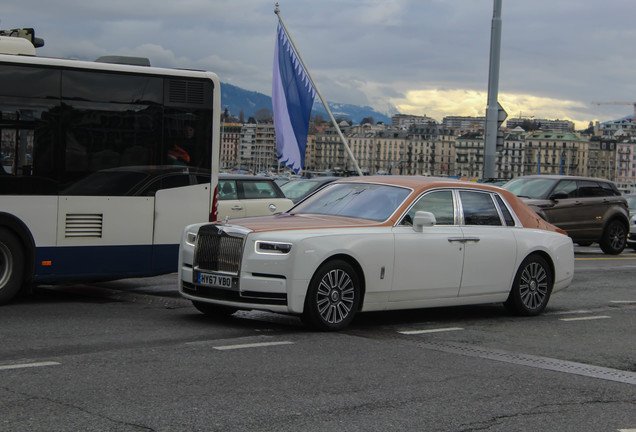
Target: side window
609	189
258	190
590	189
440	203
227	190
505	212
566	186
479	208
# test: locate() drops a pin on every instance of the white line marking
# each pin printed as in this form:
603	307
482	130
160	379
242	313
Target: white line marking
416	332
627	430
574	312
585	318
625	302
251	345
28	365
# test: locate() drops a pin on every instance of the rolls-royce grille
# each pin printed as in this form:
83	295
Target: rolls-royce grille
217	250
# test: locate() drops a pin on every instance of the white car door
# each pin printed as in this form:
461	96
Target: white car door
229	204
428	264
490	247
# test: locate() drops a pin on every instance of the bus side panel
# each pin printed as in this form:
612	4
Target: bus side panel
38	213
98	237
174	209
92	262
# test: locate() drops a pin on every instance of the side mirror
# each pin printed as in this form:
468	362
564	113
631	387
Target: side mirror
558	196
423	219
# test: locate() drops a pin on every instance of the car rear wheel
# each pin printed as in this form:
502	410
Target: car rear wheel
614	238
531	288
213	310
11	265
333	297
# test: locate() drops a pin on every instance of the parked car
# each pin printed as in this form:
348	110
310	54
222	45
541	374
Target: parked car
379	243
239	195
138	180
243	195
631	238
588	209
298	189
631	203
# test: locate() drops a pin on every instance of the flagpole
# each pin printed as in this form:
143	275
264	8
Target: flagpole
324	103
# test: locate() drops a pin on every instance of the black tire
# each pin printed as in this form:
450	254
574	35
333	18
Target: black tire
11	265
531	288
333	297
213	310
614	238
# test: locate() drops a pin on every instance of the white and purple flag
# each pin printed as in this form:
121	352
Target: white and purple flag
292	99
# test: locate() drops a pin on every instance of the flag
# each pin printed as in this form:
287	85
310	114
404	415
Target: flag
292	99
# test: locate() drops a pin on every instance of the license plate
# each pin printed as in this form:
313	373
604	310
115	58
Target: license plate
214	280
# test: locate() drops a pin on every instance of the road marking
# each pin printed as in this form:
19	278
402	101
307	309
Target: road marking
574	312
624	302
28	365
597	317
545	363
251	345
627	430
416	332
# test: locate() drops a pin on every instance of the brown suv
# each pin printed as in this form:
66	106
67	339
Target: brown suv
589	209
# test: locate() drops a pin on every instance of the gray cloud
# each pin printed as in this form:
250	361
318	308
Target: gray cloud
366	51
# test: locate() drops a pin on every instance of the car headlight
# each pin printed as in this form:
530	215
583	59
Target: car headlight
272	248
191	238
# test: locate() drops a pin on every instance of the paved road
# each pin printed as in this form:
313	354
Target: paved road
132	356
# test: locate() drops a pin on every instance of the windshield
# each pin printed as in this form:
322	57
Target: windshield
359	200
536	188
297	189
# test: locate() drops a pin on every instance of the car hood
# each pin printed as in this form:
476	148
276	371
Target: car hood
287	221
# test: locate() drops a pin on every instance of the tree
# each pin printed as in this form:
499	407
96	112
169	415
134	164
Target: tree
318	119
368	120
263	115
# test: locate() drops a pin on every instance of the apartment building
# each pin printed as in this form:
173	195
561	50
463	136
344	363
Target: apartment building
556	153
230	143
257	147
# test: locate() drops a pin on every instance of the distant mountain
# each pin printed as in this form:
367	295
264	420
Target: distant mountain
236	99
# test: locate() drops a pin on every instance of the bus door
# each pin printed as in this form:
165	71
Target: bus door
174	209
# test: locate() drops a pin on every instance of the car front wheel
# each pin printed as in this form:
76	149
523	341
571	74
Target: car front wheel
614	238
333	297
531	288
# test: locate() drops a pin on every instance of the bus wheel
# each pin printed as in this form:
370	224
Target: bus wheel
11	265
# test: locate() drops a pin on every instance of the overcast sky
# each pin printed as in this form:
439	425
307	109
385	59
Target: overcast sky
421	56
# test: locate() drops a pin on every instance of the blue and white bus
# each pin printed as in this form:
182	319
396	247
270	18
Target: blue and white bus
103	164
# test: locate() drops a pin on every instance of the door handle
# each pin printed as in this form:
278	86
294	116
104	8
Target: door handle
463	239
237	207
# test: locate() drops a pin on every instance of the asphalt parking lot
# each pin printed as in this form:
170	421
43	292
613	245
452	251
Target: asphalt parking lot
131	355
